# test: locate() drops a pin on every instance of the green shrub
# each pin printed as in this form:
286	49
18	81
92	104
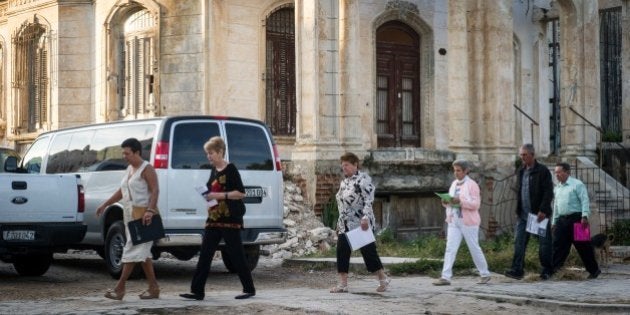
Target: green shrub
330	213
612	136
621	231
386	236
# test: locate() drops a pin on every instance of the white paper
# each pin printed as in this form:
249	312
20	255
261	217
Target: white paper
535	227
203	190
359	238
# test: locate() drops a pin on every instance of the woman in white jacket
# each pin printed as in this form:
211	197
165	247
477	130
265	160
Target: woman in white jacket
462	216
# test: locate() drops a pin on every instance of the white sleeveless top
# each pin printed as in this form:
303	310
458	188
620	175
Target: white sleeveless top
135	192
135	189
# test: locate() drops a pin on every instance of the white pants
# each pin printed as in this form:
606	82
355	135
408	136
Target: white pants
456	231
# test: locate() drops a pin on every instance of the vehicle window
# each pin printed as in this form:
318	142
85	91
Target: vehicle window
80	153
187	144
32	161
105	153
248	147
70	152
58	160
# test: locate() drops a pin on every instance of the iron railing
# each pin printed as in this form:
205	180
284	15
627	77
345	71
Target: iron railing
609	198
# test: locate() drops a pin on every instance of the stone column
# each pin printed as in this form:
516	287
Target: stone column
458	111
625	71
579	77
355	82
317	145
491	80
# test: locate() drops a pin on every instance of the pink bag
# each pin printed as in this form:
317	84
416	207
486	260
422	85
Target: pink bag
581	233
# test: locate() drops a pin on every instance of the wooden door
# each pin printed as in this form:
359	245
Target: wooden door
398	86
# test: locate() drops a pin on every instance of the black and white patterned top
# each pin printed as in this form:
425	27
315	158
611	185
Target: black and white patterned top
354	201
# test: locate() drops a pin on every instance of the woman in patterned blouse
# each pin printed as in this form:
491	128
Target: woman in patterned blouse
354	201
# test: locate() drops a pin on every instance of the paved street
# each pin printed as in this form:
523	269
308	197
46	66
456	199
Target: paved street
295	290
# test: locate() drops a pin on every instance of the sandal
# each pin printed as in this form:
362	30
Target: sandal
115	294
339	289
383	285
151	293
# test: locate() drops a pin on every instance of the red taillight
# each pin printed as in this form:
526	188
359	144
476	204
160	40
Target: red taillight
276	156
81	202
161	155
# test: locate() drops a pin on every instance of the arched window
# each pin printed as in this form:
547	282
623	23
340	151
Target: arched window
30	77
138	98
280	72
132	60
398	85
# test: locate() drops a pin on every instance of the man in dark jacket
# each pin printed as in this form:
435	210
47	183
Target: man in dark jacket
535	193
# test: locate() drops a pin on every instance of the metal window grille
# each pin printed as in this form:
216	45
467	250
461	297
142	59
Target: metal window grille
610	72
30	77
553	39
280	72
137	93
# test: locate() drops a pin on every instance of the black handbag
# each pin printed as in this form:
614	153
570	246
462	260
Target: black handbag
141	233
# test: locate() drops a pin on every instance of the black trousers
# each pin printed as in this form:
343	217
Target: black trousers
234	246
562	240
370	256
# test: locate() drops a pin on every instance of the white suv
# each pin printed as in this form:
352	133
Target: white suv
174	145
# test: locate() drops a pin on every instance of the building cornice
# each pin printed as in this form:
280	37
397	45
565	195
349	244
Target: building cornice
28	4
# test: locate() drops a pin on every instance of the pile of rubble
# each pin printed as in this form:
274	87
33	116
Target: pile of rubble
306	233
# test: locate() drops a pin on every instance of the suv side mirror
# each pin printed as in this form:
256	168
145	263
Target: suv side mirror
10	164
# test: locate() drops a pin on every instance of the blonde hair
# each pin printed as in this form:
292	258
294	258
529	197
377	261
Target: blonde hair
215	144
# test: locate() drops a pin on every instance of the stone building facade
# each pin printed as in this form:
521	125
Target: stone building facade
408	84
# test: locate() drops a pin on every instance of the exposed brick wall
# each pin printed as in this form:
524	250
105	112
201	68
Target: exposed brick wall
327	186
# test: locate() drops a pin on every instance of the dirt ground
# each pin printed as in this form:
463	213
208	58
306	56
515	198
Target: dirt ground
83	273
76	282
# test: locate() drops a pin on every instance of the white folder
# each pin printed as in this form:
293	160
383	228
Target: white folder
359	238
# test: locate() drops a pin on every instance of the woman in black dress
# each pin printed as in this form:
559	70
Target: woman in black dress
225	221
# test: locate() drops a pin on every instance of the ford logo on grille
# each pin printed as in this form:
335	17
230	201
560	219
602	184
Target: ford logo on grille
19	200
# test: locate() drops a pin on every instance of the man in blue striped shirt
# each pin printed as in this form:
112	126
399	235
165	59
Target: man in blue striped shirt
570	206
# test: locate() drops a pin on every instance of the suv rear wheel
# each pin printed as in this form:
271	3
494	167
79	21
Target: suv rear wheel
33	265
252	254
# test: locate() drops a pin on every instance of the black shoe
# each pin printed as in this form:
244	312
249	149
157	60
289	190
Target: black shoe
192	296
245	295
545	276
595	274
513	275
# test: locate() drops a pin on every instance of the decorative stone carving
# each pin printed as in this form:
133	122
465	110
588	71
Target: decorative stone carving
399	5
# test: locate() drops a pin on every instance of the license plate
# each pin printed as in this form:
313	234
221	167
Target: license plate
256	192
18	235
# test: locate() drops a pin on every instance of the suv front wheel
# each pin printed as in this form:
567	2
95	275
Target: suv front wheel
114	244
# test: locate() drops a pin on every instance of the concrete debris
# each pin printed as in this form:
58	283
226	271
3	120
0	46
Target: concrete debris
306	232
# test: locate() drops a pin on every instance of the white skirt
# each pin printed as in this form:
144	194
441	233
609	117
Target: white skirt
134	253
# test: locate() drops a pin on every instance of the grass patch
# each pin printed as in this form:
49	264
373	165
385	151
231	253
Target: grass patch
430	251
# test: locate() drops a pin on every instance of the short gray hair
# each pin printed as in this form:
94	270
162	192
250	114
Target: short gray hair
529	148
463	164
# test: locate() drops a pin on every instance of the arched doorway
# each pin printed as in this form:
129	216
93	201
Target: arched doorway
398	85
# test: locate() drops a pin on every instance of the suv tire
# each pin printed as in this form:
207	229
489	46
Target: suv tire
33	265
252	254
114	244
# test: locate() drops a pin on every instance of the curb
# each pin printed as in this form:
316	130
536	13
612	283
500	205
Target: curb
551	305
356	263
